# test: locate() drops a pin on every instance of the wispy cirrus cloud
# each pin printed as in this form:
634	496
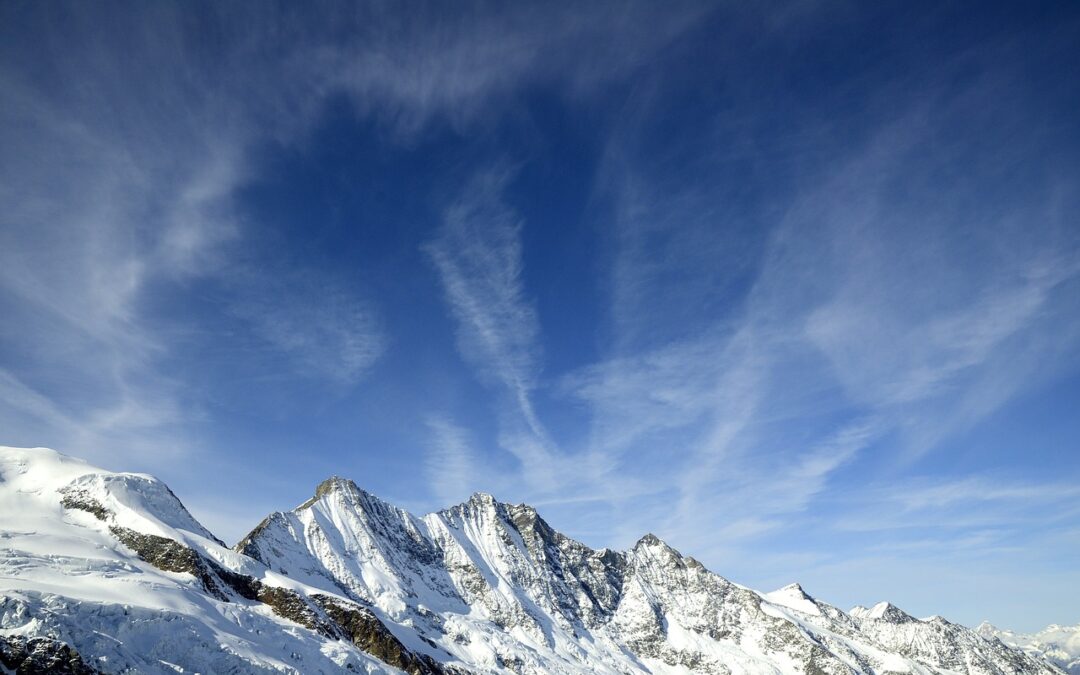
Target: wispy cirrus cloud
882	314
477	253
328	330
453	467
119	188
126	149
794	301
965	503
408	68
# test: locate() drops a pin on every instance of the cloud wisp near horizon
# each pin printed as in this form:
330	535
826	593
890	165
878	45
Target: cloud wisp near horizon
794	286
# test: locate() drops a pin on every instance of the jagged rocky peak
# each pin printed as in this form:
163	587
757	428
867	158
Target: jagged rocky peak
987	629
483	499
649	539
650	543
527	520
336	484
346	490
479	503
523	513
483	507
351	583
883	611
793	591
522	517
793	596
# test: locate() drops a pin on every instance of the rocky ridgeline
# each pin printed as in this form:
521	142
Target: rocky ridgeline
108	573
497	588
333	619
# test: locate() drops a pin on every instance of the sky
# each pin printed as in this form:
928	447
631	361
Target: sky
793	285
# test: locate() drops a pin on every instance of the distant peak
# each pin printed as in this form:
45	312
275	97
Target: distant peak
484	498
793	596
335	484
649	539
884	611
794	590
525	508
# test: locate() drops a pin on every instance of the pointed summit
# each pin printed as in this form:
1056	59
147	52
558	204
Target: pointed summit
477	504
986	628
649	539
335	484
483	499
883	611
481	580
652	545
794	597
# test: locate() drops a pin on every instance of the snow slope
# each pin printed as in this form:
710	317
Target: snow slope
496	589
1059	645
106	572
65	574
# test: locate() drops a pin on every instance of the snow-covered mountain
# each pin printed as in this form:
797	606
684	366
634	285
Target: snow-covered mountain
108	572
1059	645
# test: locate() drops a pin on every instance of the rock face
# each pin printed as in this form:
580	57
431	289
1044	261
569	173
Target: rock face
108	573
41	656
1056	645
496	589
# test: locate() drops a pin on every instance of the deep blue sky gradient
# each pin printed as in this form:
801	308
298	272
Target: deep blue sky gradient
795	286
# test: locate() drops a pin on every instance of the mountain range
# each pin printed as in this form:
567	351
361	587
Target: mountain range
105	572
1059	645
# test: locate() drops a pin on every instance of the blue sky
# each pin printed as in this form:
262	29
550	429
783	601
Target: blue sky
795	286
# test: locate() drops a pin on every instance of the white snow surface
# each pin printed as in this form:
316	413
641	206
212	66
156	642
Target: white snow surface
485	587
64	575
1059	645
497	589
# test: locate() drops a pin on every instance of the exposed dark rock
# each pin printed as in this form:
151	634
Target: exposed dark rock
367	632
295	607
241	584
248	545
41	656
171	556
78	499
322	614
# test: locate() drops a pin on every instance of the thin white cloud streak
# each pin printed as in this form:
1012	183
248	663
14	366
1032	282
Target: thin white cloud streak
976	502
74	262
324	328
912	319
756	493
689	418
452	468
124	148
478	255
477	252
425	63
27	402
856	307
1004	533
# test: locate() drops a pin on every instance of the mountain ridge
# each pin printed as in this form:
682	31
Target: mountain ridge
1056	644
112	567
